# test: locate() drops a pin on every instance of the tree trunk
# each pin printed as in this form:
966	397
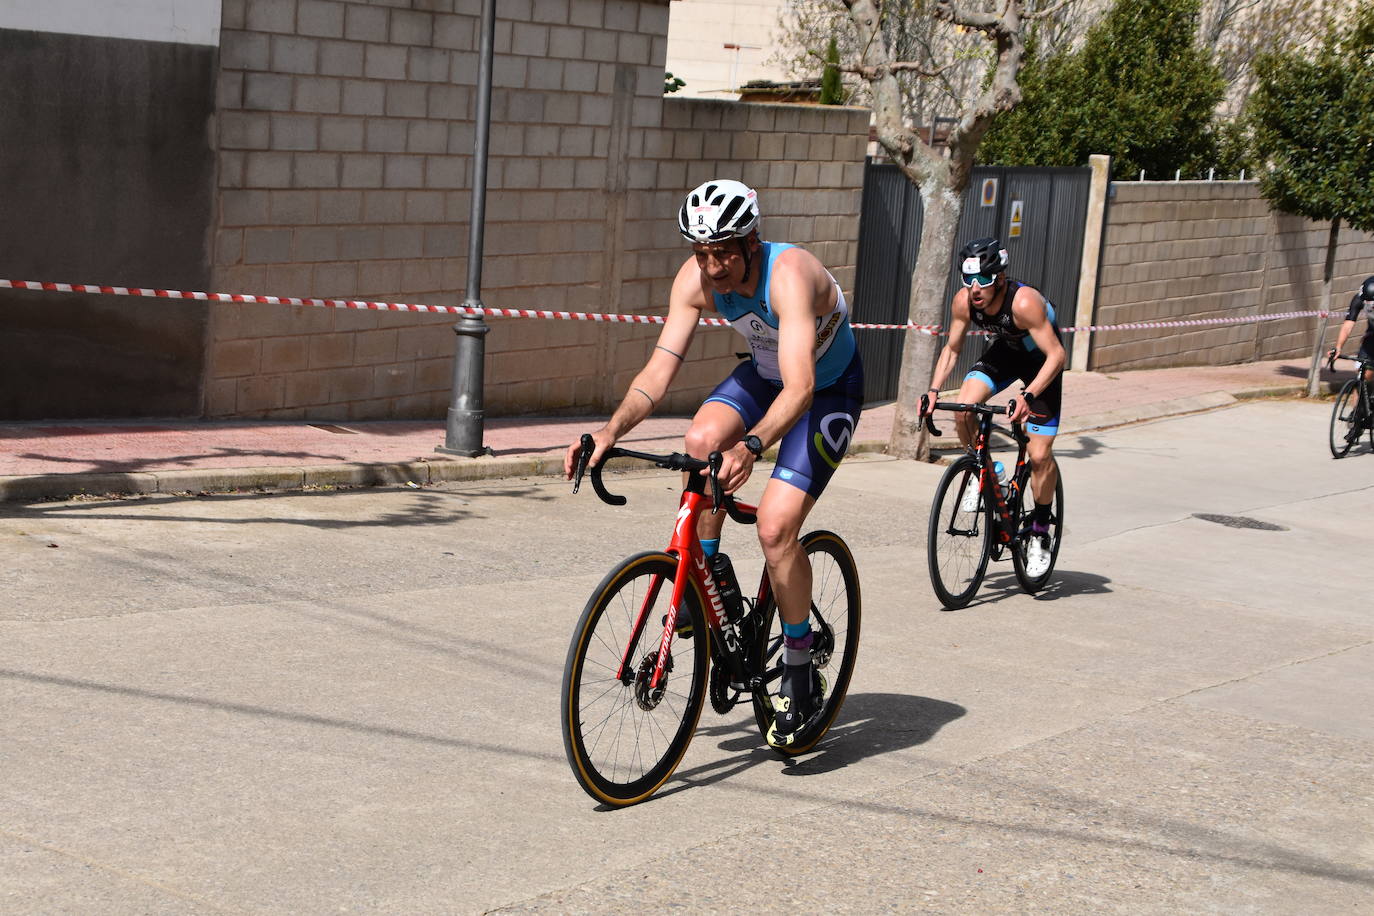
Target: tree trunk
1319	342
943	206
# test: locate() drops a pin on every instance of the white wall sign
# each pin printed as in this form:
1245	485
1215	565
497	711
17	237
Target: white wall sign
191	22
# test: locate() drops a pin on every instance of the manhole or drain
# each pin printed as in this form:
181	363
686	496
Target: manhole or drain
1239	521
331	428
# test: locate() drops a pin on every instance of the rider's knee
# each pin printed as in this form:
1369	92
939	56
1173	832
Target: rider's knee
702	439
776	532
1040	452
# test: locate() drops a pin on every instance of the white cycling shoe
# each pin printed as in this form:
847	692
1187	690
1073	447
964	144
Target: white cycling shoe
969	502
1037	556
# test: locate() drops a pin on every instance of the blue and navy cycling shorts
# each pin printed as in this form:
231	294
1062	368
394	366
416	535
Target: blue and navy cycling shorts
1003	364
811	451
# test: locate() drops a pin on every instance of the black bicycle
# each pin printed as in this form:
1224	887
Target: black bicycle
976	517
1354	407
636	674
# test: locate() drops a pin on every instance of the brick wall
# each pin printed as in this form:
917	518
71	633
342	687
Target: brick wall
345	168
1178	250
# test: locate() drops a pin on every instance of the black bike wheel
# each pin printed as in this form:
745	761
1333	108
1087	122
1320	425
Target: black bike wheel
835	618
958	542
1018	554
1368	411
624	738
1343	426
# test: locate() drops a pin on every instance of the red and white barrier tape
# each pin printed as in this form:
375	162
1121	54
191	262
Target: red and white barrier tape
566	316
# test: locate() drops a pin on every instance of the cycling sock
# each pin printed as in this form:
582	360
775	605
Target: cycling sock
710	546
796	650
1041	515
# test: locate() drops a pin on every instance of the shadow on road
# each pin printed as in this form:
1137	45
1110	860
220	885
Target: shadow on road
1002	585
869	724
429	507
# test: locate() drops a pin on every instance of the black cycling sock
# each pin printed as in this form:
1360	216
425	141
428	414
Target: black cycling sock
1041	514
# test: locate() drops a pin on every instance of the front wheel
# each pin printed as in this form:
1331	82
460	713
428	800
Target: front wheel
959	538
835	619
1032	572
623	734
1344	428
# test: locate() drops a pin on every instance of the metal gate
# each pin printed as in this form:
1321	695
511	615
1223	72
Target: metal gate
1037	213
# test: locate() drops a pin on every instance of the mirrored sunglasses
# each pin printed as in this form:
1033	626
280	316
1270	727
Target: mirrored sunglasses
983	280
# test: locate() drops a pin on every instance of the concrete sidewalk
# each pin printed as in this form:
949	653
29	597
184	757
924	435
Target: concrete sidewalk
61	459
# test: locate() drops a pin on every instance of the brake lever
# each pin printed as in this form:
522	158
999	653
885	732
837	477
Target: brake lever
583	456
929	419
714	461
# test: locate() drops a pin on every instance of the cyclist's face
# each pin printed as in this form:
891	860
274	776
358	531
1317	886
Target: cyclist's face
721	264
980	296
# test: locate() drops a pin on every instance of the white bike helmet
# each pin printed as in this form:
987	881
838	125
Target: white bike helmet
718	210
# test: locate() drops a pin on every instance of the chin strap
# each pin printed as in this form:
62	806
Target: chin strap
744	253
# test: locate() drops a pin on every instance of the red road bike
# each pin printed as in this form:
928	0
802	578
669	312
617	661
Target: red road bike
975	517
660	634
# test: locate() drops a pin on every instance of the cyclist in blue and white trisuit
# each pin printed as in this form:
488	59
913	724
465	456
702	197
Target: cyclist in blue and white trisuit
1025	346
802	389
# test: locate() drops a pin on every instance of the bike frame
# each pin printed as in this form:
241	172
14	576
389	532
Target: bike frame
1005	524
685	544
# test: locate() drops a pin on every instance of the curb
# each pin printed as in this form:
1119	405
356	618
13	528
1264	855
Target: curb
51	487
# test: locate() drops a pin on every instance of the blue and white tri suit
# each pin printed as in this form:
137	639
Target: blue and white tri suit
811	450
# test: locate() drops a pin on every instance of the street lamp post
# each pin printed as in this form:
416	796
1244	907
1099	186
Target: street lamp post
463	429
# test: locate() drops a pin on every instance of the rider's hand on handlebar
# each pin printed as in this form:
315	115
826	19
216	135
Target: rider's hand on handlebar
927	406
1018	408
736	464
603	440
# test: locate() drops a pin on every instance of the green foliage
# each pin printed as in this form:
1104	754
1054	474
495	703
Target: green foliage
1139	89
1314	126
672	83
832	90
1235	147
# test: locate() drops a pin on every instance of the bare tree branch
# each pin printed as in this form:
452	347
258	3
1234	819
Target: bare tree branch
955	12
1049	11
872	73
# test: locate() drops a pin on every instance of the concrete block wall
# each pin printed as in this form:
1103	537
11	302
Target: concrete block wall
345	133
1187	250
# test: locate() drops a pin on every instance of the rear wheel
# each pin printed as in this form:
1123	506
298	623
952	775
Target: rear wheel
835	619
1019	555
958	540
1368	414
623	734
1344	428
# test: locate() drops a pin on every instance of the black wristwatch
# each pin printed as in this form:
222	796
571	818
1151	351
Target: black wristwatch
755	445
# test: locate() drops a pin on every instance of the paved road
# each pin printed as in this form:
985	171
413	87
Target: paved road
347	701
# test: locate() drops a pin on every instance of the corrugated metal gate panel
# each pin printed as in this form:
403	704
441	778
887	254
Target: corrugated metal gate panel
1051	203
888	241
